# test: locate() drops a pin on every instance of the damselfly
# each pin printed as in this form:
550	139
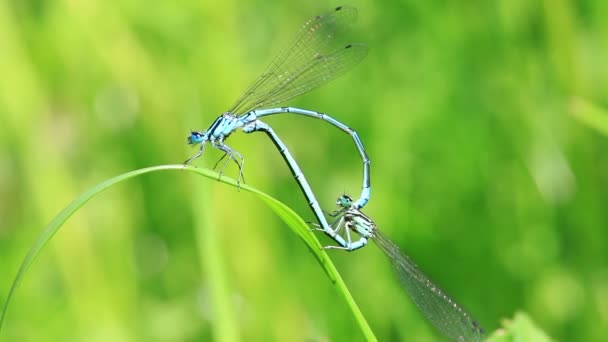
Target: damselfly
313	58
443	312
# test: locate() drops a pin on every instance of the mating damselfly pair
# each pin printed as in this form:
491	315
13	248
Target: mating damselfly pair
315	57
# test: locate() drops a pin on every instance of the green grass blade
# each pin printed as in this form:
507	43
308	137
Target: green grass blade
590	115
519	328
212	264
295	222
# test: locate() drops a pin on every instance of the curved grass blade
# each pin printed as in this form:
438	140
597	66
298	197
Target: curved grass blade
295	222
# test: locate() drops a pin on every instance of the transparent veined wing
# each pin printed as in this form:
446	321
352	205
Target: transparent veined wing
314	57
442	311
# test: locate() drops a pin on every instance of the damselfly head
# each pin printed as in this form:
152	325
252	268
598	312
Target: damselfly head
344	201
196	137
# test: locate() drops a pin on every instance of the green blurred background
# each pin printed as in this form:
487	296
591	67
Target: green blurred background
469	110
